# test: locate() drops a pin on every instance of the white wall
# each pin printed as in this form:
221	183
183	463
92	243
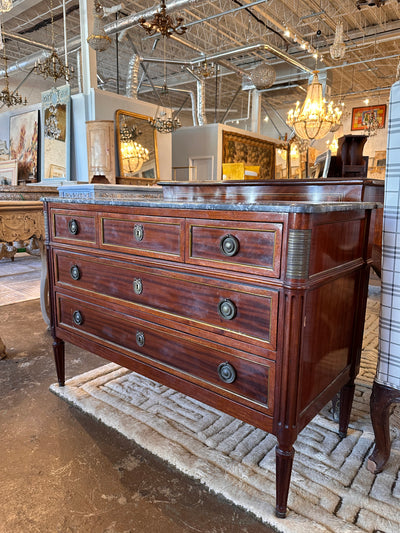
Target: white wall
105	106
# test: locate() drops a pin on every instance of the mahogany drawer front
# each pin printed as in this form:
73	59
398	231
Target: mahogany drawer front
190	355
242	246
152	236
76	226
246	312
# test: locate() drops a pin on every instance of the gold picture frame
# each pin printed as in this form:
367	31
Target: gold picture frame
239	148
9	172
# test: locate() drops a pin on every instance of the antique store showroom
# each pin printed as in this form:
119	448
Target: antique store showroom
199	266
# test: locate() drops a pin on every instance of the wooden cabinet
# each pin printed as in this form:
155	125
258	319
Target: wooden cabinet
101	151
257	310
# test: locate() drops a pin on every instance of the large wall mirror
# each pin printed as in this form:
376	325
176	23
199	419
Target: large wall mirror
56	133
137	148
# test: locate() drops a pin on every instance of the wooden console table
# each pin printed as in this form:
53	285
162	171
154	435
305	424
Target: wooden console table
20	221
255	309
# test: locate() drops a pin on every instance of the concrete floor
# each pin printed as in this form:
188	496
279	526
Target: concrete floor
63	472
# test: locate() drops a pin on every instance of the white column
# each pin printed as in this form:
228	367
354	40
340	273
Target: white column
88	55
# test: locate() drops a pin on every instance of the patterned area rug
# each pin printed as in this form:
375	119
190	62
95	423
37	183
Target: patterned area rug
331	489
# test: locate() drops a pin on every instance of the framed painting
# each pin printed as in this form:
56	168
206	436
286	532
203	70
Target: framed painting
56	133
9	172
238	148
24	144
361	116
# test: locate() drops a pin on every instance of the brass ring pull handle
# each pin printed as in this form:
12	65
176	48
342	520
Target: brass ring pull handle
140	338
138	232
226	373
73	226
137	286
229	245
75	272
227	309
77	318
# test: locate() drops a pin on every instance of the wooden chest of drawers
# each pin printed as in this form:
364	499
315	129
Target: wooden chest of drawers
257	310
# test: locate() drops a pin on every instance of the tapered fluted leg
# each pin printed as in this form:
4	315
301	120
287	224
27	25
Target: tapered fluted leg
284	462
59	358
346	402
382	399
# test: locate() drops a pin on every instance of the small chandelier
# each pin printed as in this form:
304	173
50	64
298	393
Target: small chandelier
128	134
133	156
5	6
165	124
98	39
52	66
204	70
163	23
8	98
338	48
314	119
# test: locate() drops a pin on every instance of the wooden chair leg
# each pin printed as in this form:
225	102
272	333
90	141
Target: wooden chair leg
382	399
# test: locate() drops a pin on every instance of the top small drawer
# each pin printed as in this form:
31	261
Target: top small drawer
242	246
74	225
143	235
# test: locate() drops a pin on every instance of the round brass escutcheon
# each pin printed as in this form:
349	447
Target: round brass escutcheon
226	372
137	286
138	232
73	226
227	309
229	245
77	318
75	272
140	338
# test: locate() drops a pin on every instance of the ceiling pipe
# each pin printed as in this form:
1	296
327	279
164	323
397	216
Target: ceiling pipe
201	98
132	78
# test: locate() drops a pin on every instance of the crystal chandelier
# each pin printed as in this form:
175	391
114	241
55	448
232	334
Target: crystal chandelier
263	76
51	129
8	98
314	119
5	6
165	124
133	156
163	23
98	39
338	48
52	66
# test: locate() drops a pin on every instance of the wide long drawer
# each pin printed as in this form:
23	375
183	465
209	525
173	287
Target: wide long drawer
191	356
242	311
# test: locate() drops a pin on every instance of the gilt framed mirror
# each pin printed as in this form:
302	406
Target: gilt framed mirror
56	133
137	148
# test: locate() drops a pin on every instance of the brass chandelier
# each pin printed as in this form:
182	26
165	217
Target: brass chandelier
163	23
53	66
315	118
8	98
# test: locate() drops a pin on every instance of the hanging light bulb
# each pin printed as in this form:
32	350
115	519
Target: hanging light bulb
338	48
314	119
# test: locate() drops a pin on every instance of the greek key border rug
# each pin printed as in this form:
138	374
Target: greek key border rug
331	489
